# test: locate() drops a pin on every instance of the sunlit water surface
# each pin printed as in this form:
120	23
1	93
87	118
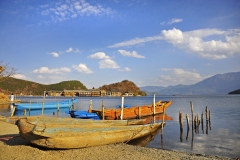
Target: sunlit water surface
222	137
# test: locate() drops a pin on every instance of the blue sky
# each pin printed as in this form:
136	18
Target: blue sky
149	42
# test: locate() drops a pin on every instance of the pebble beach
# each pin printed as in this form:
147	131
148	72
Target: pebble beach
13	146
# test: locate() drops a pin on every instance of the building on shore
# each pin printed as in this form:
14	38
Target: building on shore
87	93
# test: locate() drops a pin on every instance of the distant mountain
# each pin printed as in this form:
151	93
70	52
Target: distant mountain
218	84
19	86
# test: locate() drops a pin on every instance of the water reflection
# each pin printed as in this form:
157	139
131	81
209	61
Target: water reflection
196	125
143	141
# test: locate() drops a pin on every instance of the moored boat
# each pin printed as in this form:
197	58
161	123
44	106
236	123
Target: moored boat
82	114
46	105
65	135
134	111
66	121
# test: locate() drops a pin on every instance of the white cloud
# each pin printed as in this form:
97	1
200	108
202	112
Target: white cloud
82	68
55	54
212	49
108	63
204	32
174	20
207	43
69	50
99	55
130	54
62	11
46	70
77	50
125	69
135	41
177	76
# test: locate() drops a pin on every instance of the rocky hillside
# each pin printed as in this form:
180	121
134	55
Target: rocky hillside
123	87
18	86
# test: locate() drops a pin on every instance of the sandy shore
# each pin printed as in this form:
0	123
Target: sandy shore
12	146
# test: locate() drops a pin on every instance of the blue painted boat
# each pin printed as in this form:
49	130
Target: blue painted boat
87	115
47	105
82	114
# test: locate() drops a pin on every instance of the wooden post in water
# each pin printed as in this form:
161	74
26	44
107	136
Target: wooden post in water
162	143
188	126
13	111
187	118
163	116
192	112
121	116
42	108
72	103
195	123
29	108
103	116
154	109
58	109
206	119
202	122
44	94
154	103
90	107
24	112
181	126
206	113
139	112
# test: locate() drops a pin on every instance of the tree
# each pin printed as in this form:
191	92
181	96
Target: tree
6	71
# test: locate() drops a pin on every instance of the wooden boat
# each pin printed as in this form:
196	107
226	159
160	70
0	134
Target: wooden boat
46	105
133	112
83	114
66	121
71	135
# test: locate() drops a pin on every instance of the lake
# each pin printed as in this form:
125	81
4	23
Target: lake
222	137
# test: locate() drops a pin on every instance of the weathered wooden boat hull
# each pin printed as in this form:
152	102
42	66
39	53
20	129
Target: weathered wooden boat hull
55	120
66	136
133	112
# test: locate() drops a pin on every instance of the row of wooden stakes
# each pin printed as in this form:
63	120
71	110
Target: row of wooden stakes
196	122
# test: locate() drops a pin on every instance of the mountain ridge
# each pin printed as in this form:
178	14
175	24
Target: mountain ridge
217	84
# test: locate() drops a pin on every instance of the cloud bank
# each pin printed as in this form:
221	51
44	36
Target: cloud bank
207	43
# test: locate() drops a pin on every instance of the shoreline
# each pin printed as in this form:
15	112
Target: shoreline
13	146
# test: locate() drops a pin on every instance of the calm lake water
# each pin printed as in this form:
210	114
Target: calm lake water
222	137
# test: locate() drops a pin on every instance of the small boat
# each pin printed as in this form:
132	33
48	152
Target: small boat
66	121
133	112
46	105
65	135
82	114
88	115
